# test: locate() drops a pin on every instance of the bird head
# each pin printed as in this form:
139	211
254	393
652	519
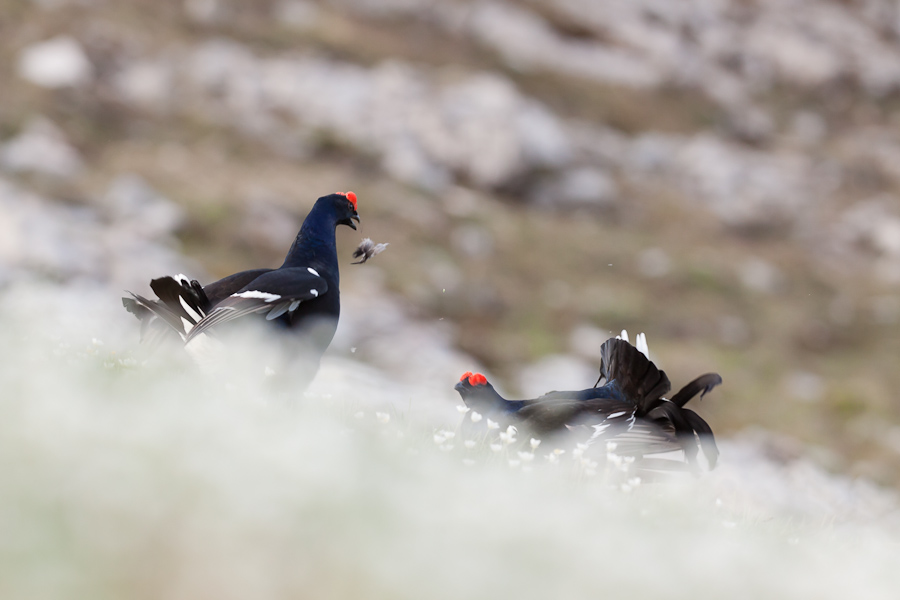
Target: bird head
345	203
475	389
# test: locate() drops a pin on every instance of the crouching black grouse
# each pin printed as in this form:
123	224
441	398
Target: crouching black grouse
301	296
630	408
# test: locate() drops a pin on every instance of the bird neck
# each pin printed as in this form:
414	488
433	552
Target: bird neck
315	245
488	401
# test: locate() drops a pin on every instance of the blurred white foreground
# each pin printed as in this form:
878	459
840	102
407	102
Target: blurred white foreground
123	480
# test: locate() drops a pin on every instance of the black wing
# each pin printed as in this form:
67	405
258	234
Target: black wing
221	289
275	293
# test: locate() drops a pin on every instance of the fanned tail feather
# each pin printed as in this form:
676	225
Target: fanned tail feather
180	306
635	375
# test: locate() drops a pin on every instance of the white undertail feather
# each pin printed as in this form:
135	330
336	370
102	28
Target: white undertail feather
640	343
190	311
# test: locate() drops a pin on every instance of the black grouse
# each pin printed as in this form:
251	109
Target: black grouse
629	408
302	295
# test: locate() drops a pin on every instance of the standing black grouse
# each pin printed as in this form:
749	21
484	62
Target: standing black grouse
629	408
302	295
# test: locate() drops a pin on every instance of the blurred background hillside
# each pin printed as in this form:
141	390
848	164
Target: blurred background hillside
720	174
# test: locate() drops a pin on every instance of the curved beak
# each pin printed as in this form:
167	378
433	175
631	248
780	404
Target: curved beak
354	217
459	387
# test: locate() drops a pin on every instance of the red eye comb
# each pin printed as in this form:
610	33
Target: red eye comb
465	375
349	196
477	379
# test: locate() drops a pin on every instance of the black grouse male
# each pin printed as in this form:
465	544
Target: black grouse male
301	295
629	408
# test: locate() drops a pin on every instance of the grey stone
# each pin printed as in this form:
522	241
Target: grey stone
56	63
41	148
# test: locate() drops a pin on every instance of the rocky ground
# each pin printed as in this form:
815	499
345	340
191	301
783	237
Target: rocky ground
721	175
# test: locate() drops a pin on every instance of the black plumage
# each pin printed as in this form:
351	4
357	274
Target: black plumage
630	408
301	296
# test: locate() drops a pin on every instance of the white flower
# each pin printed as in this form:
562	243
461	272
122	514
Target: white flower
634	482
439	439
629	460
496	447
625	488
514	463
469	444
611	446
269	371
552	458
535	443
526	456
462	409
507	437
96	342
492	425
577	452
448	434
614	458
558	451
475	416
446	448
383	417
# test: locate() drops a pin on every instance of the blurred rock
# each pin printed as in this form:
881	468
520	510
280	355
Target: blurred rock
133	203
527	42
872	228
808	127
147	84
41	238
57	63
427	132
583	187
204	11
41	148
299	14
745	188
